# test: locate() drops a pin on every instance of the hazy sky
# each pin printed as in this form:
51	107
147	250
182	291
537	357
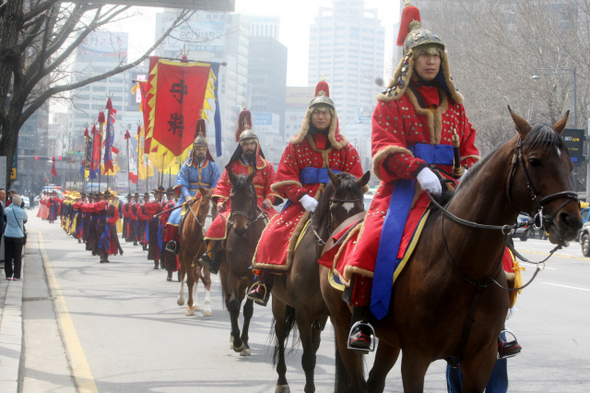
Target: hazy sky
296	17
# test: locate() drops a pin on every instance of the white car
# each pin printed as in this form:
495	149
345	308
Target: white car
27	202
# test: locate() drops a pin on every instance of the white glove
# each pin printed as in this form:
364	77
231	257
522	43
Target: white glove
308	203
429	181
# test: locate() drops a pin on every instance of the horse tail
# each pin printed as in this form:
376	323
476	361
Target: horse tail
290	323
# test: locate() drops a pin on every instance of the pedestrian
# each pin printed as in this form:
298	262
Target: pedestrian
14	238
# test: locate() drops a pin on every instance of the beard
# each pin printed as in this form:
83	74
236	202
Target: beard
250	157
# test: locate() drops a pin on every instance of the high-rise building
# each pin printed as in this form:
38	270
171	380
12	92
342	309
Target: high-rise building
214	37
267	79
346	47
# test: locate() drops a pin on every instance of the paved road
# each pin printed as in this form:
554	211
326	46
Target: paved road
116	328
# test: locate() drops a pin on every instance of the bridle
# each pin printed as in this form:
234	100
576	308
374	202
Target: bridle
321	242
195	216
539	219
249	216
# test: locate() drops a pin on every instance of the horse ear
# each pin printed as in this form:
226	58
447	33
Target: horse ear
251	176
333	178
230	175
520	124
206	192
560	125
364	179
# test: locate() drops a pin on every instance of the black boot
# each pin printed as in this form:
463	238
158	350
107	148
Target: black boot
362	335
156	264
169	278
260	290
211	259
508	349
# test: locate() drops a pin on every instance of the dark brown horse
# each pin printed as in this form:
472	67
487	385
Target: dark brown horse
296	296
246	223
192	246
449	302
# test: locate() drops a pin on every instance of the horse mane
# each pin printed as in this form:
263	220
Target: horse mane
540	135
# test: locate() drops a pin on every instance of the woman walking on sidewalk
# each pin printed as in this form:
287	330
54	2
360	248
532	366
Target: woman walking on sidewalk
14	238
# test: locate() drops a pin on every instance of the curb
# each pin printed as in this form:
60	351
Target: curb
11	337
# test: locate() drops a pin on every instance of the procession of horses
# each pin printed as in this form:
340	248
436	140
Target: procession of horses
450	300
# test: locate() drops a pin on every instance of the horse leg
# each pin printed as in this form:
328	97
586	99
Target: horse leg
477	370
180	300
385	359
310	339
248	313
232	302
206	278
279	312
413	371
191	286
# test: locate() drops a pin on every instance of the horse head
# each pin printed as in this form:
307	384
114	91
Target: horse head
204	203
243	201
540	182
342	198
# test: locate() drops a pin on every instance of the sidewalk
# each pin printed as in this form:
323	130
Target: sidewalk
11	331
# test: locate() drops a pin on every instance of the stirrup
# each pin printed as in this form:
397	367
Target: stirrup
254	294
508	349
171	246
373	340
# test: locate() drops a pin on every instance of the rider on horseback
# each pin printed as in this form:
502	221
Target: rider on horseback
199	170
247	158
301	176
412	137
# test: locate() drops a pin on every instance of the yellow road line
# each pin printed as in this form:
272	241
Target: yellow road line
555	255
80	368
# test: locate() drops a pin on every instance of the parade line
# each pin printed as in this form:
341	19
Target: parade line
80	369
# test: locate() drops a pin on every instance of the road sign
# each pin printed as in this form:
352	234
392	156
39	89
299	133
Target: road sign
12	173
574	140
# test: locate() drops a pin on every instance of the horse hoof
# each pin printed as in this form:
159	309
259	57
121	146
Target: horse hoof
196	308
180	302
282	389
246	352
189	313
207	313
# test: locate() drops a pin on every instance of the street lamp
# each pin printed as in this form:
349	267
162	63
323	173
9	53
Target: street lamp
560	71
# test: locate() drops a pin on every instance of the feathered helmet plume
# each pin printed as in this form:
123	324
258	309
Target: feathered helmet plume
244	131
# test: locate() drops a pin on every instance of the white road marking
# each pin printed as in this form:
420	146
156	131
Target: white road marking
566	286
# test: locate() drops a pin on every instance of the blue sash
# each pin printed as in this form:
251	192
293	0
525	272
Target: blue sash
311	175
394	224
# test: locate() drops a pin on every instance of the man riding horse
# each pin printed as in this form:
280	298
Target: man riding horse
301	176
416	123
246	159
199	170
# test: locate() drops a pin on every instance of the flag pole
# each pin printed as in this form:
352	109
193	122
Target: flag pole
108	140
138	150
101	122
128	162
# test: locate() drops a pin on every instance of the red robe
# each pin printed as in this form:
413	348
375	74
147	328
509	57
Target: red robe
276	245
395	126
264	178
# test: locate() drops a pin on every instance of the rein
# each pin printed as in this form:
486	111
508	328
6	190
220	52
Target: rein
197	218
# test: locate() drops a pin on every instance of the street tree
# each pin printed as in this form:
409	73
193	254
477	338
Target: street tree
38	39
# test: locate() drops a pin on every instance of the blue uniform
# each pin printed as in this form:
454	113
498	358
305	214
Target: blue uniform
189	179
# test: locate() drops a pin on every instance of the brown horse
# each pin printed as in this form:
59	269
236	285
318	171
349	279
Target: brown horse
296	296
192	246
450	301
246	223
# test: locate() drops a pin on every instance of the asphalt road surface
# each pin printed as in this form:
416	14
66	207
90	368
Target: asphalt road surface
117	328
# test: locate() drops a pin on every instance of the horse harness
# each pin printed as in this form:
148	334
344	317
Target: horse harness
321	242
506	230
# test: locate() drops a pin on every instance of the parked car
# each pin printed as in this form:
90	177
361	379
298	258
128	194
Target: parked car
585	239
523	233
36	200
27	202
585	212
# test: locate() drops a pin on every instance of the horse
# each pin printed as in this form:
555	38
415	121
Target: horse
450	301
192	245
246	223
296	296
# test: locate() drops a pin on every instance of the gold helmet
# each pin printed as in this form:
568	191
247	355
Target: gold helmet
244	131
201	140
322	100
